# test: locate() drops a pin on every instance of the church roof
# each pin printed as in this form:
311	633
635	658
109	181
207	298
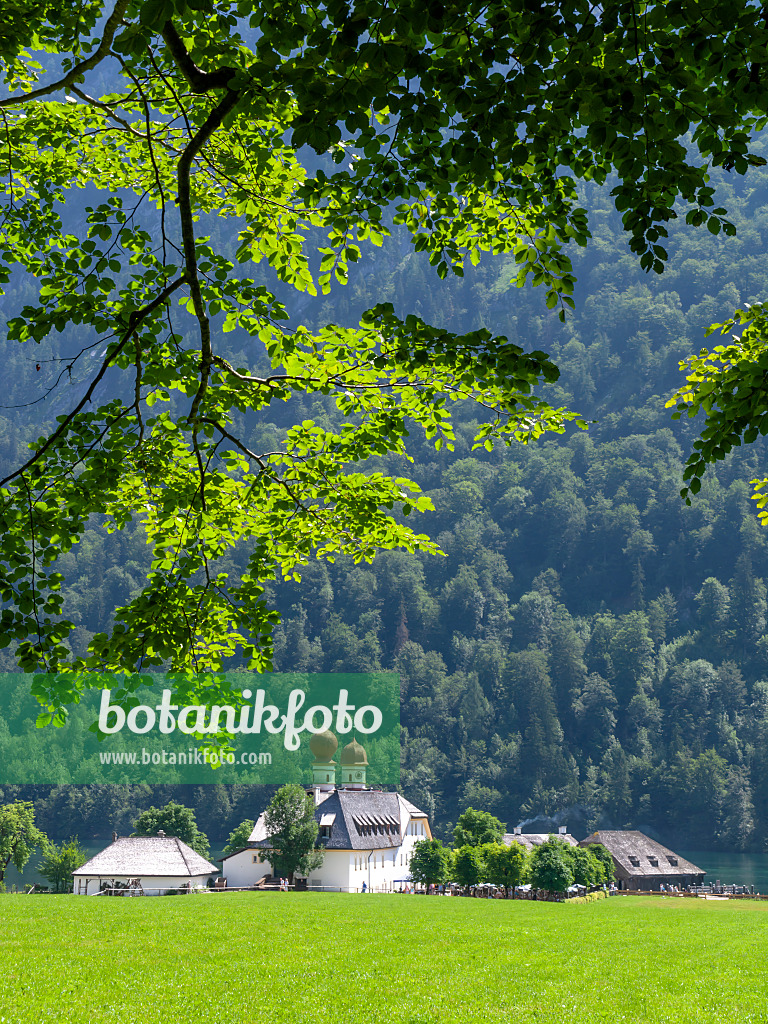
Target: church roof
637	854
363	819
147	856
412	809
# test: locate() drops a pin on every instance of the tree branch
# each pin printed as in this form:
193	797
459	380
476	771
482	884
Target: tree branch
199	81
135	319
98	55
214	121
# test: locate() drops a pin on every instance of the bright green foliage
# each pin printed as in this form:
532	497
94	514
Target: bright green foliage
429	862
728	385
550	866
503	866
587	868
18	835
59	862
238	837
470	122
175	820
292	831
600	853
466	866
474	828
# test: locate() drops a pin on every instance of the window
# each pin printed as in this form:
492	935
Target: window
672	861
325	831
634	861
255	858
654	861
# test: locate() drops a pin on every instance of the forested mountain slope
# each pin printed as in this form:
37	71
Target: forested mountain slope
588	643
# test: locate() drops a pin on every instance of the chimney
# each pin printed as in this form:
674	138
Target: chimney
161	834
562	830
518	830
114	837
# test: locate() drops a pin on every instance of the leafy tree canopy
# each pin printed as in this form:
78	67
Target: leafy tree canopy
429	862
727	384
469	123
466	866
477	827
503	865
292	831
59	862
238	837
606	860
18	835
550	866
587	869
175	820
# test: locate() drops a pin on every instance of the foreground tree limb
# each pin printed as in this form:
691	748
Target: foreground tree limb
466	129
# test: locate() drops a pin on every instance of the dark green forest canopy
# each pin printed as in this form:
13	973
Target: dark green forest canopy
469	125
590	646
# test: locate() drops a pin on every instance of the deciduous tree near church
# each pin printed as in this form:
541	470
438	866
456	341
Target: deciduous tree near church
238	837
429	862
292	831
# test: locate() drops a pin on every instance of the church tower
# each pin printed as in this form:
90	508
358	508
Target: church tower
353	764
323	745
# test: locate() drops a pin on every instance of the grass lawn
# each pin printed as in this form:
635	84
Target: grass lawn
270	958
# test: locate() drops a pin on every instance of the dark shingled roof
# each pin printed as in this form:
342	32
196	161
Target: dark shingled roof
135	856
652	859
531	839
365	819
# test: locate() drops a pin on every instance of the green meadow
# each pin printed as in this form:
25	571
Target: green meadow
249	958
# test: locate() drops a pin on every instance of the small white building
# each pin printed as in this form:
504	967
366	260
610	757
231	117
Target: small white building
528	840
153	863
366	835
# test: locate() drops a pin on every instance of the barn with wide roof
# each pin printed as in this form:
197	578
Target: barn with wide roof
643	864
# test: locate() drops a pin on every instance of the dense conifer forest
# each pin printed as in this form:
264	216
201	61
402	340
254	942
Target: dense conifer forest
589	647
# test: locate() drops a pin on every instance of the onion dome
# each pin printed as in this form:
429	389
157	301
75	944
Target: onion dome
323	745
353	753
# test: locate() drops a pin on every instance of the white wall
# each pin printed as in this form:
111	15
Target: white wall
334	873
242	870
88	885
343	869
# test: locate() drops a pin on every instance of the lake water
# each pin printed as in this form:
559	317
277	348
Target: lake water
732	868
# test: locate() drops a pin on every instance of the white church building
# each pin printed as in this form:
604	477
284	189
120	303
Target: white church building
366	835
